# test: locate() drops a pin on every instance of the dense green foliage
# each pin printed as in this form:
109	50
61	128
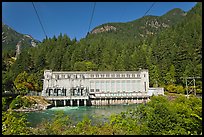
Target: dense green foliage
19	102
14	123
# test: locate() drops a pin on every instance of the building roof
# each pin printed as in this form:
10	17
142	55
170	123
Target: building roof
96	72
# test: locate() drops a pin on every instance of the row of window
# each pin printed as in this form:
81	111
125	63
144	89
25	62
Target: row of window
64	76
115	81
115	75
98	90
118	94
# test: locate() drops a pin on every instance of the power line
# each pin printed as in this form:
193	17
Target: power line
92	16
147	12
39	19
94	10
149	8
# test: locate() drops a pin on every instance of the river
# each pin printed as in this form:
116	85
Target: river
95	113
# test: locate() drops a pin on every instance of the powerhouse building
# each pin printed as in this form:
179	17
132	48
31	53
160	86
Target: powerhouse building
95	83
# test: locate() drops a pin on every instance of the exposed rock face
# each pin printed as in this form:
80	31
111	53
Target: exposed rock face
33	43
103	29
18	47
3	37
40	104
155	24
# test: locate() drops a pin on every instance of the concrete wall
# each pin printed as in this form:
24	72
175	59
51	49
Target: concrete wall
104	102
155	91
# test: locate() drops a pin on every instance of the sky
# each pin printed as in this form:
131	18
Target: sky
73	18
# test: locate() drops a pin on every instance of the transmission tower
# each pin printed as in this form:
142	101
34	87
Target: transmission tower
190	82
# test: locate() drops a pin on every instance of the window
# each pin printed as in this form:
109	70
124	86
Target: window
133	75
138	75
92	84
144	75
97	85
92	90
102	75
112	75
128	75
92	75
82	76
123	75
118	85
118	75
97	90
107	75
112	86
145	85
103	85
97	75
108	85
75	76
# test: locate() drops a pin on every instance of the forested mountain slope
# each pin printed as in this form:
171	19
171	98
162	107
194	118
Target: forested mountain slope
10	38
141	28
169	53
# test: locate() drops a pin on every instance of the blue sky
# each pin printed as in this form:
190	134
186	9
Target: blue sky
73	18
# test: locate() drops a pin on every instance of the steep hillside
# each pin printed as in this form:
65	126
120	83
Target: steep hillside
140	28
10	38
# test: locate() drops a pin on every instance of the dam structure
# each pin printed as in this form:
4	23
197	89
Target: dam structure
82	88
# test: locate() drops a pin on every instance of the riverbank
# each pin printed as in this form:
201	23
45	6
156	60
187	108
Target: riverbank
35	107
38	103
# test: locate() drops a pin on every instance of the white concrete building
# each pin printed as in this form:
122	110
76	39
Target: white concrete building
96	87
105	83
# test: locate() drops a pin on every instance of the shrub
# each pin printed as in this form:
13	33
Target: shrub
180	89
171	88
26	103
16	103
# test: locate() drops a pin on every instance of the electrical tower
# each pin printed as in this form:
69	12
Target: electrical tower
190	82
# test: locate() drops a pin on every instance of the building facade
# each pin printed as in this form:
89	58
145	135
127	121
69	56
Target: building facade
95	84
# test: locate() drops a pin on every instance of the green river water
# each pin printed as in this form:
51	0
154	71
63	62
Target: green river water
95	113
